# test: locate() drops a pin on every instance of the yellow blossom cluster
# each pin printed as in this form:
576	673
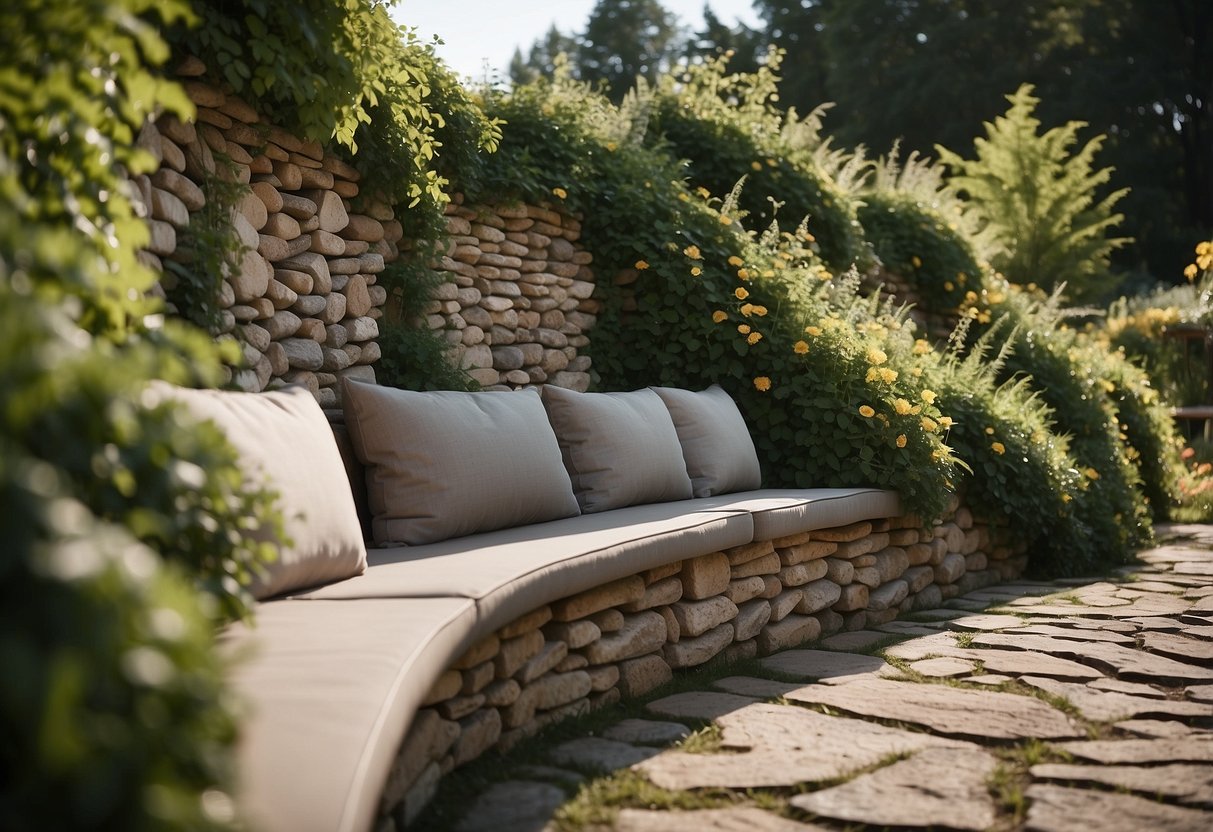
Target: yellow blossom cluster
1204	260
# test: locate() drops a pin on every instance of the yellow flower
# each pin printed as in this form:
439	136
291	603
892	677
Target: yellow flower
902	407
725	219
998	448
929	424
800	348
928	396
719	316
754	338
916	371
734	260
901	440
888	376
740	293
1092	474
877	356
560	193
948	285
612	147
945	421
762	384
989	431
703	192
866	412
692	252
921	347
743	274
1190	271
641	265
682	197
1205	247
873	374
747	309
760	311
756	165
696	271
814	331
744	329
771	163
917	261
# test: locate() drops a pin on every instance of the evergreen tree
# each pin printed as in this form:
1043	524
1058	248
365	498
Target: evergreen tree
1041	203
625	39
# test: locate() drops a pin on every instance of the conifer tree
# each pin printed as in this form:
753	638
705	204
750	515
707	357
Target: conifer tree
1041	202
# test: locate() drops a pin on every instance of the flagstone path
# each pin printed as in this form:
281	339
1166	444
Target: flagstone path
1035	706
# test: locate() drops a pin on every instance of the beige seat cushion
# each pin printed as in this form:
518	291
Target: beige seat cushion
716	444
780	512
620	449
285	443
447	464
330	688
512	571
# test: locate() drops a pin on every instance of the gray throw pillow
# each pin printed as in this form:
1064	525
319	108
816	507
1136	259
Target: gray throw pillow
620	448
447	464
716	443
285	443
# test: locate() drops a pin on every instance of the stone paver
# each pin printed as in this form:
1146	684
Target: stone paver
1191	785
955	712
780	745
1059	809
708	820
517	804
1131	654
936	787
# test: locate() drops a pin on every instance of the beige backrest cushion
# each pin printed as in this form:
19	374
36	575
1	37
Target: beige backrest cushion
447	464
620	448
716	443
285	443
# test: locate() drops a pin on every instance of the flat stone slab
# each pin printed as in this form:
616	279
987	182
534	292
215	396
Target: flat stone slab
783	745
515	804
1075	634
955	712
825	665
1156	728
1010	662
944	667
702	704
1105	625
1125	662
742	819
908	628
598	754
856	640
985	623
1131	688
1201	693
1058	809
936	787
1181	648
1110	706
1189	784
1192	748
991	679
755	687
647	732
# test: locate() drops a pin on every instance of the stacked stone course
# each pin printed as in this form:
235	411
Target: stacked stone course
625	638
516	307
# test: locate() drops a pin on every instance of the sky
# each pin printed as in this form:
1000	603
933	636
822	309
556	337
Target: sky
476	31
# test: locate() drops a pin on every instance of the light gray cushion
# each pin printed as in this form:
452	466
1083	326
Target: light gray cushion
620	449
286	444
780	512
716	443
447	464
330	688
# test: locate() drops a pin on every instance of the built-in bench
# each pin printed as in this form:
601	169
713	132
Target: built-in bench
365	688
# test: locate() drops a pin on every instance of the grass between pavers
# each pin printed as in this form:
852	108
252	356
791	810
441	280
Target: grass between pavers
1009	780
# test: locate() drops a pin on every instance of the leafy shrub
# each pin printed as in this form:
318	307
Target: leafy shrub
914	241
1042	203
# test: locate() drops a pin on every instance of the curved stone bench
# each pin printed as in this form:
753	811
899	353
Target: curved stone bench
337	674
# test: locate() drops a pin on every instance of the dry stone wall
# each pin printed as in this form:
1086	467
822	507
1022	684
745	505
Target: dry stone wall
304	298
628	637
516	304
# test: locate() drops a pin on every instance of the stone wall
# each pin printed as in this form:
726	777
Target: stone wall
516	306
627	637
304	299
